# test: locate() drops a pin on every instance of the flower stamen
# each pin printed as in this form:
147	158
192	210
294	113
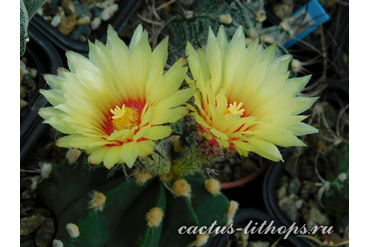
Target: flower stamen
125	117
235	109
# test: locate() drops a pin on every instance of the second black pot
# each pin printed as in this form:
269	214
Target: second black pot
43	56
271	201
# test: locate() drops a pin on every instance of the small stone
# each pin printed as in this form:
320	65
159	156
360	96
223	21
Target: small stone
75	35
43	211
29	82
23	70
39	11
83	20
315	217
45	234
299	203
82	10
107	13
61	12
67	24
57	243
33	72
287	205
23	103
82	32
294	186
56	20
69	7
281	193
30	224
105	4
95	24
48	18
23	92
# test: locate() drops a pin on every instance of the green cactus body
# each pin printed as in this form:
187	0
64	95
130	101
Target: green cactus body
122	221
206	14
28	9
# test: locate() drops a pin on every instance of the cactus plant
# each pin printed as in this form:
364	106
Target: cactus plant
192	25
121	217
28	9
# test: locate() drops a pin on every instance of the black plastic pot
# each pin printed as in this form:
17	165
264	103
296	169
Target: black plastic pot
43	56
271	201
243	218
337	94
118	22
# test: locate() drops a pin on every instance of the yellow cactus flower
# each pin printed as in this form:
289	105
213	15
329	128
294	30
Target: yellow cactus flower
113	104
245	100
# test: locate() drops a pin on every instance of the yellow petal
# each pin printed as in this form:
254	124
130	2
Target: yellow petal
112	157
266	149
145	147
147	116
54	96
80	141
300	129
279	136
221	100
214	60
243	147
138	34
170	116
158	132
129	153
143	132
97	156
54	81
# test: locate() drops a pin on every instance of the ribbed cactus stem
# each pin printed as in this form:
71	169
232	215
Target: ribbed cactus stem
134	209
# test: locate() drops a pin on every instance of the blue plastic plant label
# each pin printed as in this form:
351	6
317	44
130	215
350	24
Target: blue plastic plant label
305	20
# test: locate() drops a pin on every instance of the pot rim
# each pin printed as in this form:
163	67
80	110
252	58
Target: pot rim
119	20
